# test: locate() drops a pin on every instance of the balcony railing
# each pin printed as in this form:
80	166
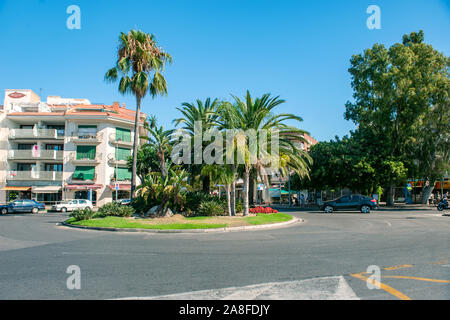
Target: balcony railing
35	175
80	179
114	140
77	160
36	134
35	155
82	137
113	162
113	180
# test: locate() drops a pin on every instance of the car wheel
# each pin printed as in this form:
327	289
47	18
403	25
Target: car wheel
329	209
440	208
365	209
63	210
4	211
35	210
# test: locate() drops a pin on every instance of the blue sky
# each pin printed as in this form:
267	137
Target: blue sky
299	50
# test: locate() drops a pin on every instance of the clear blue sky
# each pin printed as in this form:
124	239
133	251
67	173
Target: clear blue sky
299	50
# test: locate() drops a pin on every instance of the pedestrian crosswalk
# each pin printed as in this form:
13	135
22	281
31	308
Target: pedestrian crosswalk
325	288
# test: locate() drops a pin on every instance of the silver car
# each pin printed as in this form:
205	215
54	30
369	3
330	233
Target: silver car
70	205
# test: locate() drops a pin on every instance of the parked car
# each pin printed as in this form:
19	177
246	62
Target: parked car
350	202
70	205
124	202
22	205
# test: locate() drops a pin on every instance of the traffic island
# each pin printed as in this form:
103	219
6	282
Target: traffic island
180	224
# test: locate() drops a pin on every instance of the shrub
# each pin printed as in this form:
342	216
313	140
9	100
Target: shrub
262	210
82	214
194	199
210	208
239	206
115	209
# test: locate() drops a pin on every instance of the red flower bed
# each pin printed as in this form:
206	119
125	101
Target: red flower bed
262	210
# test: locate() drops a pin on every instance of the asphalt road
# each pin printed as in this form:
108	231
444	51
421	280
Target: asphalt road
323	258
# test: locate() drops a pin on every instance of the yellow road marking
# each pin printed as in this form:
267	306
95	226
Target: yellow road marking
418	278
383	286
399	267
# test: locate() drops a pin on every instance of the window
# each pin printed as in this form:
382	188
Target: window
345	199
23	146
123	174
84	173
123	134
57	147
356	198
85	152
123	154
82	201
25	166
53	167
86	131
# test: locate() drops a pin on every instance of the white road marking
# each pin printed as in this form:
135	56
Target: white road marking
327	288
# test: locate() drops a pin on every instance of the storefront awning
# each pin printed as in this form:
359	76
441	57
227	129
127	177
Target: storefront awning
46	189
83	186
16	188
121	187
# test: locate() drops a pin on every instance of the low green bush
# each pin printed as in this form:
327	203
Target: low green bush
82	214
194	199
210	208
114	209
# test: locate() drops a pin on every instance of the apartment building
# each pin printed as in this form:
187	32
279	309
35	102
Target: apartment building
64	148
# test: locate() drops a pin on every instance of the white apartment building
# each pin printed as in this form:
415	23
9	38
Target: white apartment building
64	148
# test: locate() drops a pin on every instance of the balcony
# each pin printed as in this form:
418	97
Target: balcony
113	180
119	142
87	138
36	134
35	175
39	155
119	163
85	161
81	180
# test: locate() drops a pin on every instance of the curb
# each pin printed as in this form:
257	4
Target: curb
215	230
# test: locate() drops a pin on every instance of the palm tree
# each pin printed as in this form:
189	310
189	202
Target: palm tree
258	115
140	63
160	140
204	114
221	174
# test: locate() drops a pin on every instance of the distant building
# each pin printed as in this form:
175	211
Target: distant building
64	148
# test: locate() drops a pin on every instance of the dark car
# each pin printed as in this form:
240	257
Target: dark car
25	205
350	202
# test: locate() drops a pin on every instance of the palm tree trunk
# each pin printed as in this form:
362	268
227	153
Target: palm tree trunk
233	192
228	186
135	146
245	189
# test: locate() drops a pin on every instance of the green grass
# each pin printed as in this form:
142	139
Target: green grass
117	222
262	218
191	223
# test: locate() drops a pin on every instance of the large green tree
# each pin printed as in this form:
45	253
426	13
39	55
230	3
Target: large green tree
393	88
140	63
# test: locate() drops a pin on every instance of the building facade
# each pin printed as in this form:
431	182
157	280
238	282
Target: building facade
64	148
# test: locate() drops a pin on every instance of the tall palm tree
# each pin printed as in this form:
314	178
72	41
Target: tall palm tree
140	63
205	114
257	114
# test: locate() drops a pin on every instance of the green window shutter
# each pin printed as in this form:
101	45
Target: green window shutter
123	174
123	153
86	152
123	134
84	173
